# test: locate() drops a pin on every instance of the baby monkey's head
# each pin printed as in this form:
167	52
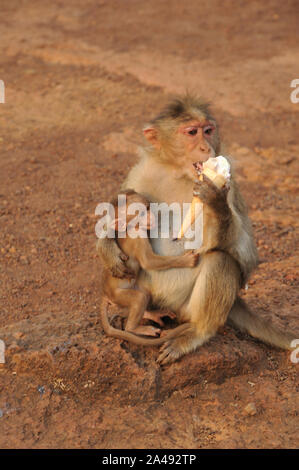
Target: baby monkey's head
132	212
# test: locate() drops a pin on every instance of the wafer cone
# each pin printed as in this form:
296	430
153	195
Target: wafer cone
196	208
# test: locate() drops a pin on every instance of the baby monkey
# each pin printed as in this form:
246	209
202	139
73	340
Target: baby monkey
126	292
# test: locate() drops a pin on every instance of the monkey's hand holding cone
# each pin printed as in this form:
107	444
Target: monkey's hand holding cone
217	170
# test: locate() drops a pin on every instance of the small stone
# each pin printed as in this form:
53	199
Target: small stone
250	409
18	334
41	389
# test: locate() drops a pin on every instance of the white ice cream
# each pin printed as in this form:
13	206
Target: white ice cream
220	165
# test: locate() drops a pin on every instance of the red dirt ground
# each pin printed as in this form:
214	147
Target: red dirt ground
81	78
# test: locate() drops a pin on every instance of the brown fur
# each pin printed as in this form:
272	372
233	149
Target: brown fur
127	293
205	297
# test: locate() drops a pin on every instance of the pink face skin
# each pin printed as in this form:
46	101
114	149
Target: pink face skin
147	220
197	139
195	142
146	217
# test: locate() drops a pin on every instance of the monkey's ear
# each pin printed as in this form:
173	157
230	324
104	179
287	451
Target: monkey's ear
118	224
151	134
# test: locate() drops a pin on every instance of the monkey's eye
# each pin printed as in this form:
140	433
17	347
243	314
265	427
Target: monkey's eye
208	130
192	131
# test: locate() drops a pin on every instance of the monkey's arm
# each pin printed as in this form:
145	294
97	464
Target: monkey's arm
113	258
218	219
225	230
148	260
215	198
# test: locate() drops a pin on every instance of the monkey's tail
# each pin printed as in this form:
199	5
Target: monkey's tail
128	336
245	320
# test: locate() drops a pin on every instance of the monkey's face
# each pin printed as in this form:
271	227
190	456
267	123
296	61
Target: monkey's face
197	139
182	143
146	219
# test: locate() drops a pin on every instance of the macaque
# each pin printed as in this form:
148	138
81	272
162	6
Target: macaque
205	297
126	292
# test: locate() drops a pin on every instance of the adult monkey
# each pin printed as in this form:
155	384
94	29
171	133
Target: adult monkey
206	296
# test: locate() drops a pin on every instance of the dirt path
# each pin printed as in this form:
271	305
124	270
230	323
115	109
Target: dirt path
81	77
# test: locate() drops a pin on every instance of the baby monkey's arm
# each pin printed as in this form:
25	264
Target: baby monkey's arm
148	260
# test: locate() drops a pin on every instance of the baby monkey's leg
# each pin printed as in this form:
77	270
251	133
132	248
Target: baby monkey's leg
157	316
136	301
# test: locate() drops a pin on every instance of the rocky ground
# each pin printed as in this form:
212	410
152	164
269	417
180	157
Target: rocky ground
81	77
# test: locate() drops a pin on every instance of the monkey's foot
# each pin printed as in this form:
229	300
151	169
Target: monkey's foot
187	341
157	316
169	352
146	331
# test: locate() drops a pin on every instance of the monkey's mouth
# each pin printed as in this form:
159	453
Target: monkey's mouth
198	167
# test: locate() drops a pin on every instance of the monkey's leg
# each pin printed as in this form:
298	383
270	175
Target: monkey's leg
157	316
208	306
136	301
